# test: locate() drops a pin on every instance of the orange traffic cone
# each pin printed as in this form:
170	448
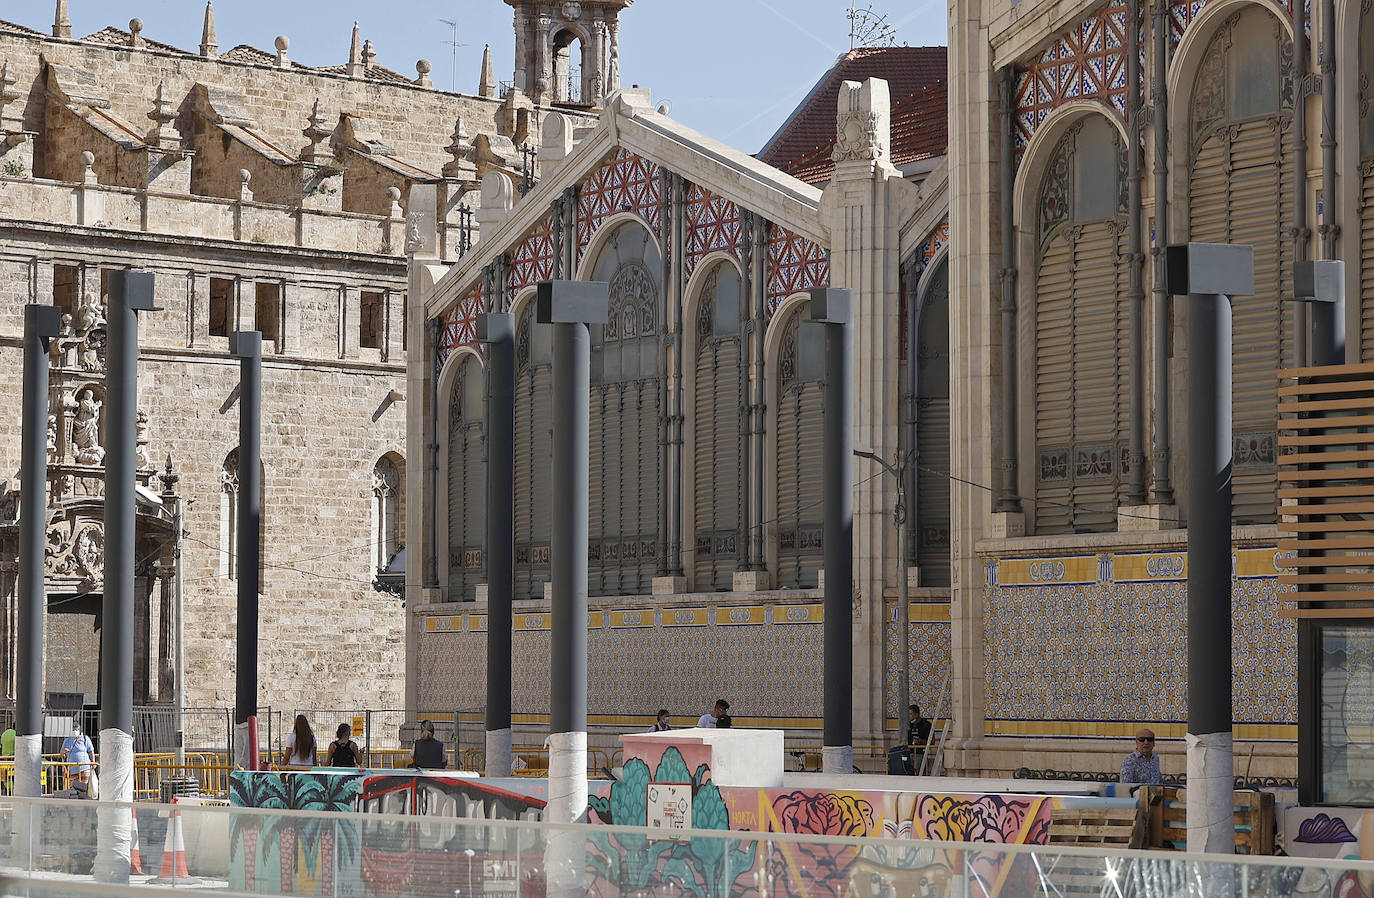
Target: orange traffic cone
174	855
135	862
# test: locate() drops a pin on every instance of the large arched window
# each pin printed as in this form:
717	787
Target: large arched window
1241	146
533	437
930	508
718	406
1081	339
467	483
626	404
801	517
388	515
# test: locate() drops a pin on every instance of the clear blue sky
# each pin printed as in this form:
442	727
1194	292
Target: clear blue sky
732	69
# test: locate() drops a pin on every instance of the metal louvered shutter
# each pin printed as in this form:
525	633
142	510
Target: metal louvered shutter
533	489
1054	348
1081	378
1367	261
624	470
800	512
466	495
932	490
717	464
1237	195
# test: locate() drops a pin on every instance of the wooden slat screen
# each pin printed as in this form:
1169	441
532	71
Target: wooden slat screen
1326	487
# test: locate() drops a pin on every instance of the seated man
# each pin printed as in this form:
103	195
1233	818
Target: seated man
904	759
1142	765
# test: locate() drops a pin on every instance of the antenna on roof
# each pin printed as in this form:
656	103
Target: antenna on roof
868	28
454	45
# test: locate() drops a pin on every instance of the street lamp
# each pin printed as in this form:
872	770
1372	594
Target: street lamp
901	519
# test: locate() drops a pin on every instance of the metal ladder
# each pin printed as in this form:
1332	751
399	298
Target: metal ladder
932	762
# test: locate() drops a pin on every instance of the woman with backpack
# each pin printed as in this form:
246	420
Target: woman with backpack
343	751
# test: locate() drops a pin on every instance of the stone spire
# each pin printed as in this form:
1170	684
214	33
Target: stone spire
316	133
62	22
355	53
209	45
486	87
369	55
460	148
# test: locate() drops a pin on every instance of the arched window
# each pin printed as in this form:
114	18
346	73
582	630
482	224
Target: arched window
718	406
388	515
533	437
228	514
800	517
1241	142
467	483
229	521
929	506
1081	340
626	404
567	67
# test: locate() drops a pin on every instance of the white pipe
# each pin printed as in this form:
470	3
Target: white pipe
114	825
498	752
1211	798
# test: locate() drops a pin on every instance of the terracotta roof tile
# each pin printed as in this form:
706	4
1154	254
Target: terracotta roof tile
12	28
812	124
920	130
118	37
251	54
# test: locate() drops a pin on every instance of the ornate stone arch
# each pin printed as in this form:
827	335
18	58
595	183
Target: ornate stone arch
448	395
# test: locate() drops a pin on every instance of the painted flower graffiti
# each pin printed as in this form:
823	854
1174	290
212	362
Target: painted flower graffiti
819	868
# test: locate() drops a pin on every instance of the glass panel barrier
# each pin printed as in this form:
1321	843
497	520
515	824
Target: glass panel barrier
52	847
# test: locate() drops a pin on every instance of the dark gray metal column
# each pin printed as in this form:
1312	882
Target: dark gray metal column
1135	293
41	324
497	331
130	292
832	309
1320	285
246	346
1209	274
570	306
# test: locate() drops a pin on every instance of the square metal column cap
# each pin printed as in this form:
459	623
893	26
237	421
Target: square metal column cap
572	302
495	327
245	344
133	288
1225	268
1319	280
832	305
45	320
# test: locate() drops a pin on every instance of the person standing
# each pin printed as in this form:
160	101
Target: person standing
78	751
300	745
1142	765
429	752
661	724
710	718
343	751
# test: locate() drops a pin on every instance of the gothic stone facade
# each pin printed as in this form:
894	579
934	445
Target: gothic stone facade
262	195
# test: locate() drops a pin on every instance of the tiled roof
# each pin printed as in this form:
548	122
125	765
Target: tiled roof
118	37
251	54
12	28
375	73
812	124
920	130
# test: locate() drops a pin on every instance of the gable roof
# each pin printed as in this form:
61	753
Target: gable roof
12	28
811	125
118	37
920	130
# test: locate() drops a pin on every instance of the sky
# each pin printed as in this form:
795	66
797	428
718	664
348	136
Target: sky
731	69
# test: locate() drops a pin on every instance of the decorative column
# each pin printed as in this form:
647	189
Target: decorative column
862	209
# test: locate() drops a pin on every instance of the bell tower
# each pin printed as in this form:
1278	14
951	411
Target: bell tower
567	51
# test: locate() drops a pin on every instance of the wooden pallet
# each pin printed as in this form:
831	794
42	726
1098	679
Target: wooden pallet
1254	820
1123	827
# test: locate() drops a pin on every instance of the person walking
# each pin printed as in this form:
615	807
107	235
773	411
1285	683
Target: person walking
300	745
712	718
343	751
429	752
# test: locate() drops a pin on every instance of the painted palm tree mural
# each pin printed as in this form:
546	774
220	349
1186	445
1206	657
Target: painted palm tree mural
309	848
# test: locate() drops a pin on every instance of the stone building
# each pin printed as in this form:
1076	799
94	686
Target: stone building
263	194
706	525
1070	363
